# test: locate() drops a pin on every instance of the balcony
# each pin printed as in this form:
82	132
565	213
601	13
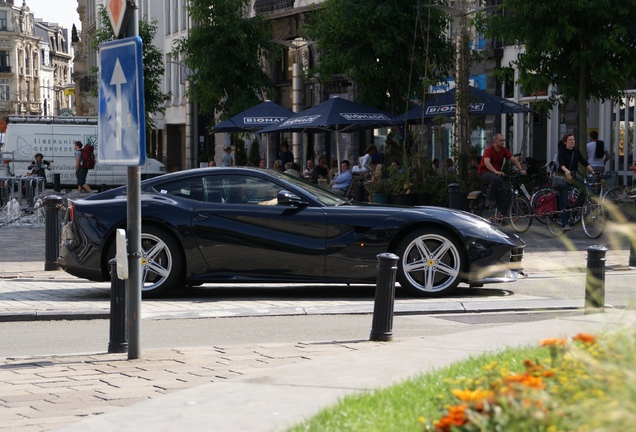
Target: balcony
5	69
264	6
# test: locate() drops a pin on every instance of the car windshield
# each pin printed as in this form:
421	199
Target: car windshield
324	196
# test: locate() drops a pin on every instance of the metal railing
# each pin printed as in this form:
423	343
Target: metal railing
25	190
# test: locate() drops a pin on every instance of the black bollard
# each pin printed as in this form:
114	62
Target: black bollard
118	330
56	182
454	197
595	280
52	232
382	326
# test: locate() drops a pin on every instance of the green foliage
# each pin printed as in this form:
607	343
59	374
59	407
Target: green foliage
467	178
224	52
405	406
584	384
153	65
585	47
255	153
240	155
392	49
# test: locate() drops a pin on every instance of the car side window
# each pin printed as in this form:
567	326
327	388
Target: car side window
250	190
214	189
191	188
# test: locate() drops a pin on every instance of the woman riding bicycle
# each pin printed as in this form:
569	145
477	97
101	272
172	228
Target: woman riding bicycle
568	163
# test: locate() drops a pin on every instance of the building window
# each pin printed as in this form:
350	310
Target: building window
184	18
4	61
167	16
175	24
175	84
4	89
3	20
27	91
169	75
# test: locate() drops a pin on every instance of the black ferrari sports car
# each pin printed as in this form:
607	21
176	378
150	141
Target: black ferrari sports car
254	225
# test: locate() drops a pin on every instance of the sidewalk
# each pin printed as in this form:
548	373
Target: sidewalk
265	387
257	387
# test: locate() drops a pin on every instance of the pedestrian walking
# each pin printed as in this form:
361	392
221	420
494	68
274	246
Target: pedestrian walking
81	172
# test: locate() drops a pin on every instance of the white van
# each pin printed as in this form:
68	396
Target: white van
54	138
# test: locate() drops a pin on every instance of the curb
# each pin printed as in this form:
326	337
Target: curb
400	309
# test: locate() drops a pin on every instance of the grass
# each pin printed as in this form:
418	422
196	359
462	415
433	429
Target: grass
587	383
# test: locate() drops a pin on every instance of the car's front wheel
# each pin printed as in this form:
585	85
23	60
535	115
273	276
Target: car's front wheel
161	262
431	261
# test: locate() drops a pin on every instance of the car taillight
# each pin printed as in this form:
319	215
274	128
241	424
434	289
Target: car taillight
71	212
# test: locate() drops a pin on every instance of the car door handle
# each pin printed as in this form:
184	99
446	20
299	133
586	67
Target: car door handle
200	217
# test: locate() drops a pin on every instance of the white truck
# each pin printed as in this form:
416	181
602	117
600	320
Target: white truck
54	138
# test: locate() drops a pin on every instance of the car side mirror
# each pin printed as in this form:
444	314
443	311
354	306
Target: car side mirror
288	198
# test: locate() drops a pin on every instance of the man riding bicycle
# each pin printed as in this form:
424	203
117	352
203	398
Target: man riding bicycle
490	170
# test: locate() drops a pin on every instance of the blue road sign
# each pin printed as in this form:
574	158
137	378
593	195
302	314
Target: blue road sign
122	136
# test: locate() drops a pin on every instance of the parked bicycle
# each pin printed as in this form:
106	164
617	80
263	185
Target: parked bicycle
615	198
516	203
584	207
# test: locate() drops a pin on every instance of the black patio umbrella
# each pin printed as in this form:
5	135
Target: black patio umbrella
334	115
480	102
256	118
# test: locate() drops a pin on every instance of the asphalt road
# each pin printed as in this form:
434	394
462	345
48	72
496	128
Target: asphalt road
75	337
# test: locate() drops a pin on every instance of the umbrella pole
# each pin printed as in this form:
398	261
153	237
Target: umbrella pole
267	151
338	148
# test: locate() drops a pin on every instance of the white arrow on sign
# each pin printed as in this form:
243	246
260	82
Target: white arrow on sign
118	79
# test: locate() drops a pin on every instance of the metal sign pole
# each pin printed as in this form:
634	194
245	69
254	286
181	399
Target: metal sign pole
133	208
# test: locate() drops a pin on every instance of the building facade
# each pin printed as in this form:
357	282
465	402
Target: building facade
181	139
35	64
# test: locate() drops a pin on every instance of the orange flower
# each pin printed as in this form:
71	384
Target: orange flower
584	338
552	342
473	395
456	417
525	380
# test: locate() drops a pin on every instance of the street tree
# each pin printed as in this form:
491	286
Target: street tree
585	48
393	50
224	52
153	66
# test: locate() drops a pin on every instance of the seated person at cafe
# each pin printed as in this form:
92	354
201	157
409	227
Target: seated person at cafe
341	183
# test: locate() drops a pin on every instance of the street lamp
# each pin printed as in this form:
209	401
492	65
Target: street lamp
462	67
297	86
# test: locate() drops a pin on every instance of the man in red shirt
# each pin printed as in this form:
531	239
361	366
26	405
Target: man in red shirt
490	169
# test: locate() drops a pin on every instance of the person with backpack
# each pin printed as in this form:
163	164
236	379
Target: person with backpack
81	170
597	153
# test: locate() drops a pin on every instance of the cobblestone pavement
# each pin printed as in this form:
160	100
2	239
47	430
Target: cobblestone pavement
46	393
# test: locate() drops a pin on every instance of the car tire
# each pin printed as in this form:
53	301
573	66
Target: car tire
161	262
431	262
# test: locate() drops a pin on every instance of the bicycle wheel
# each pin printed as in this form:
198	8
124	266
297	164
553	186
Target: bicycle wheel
519	214
553	222
535	206
593	218
614	200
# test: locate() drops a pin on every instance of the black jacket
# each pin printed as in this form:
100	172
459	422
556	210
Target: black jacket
571	160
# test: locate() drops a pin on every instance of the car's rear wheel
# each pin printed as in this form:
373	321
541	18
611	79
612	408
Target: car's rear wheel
431	262
161	262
